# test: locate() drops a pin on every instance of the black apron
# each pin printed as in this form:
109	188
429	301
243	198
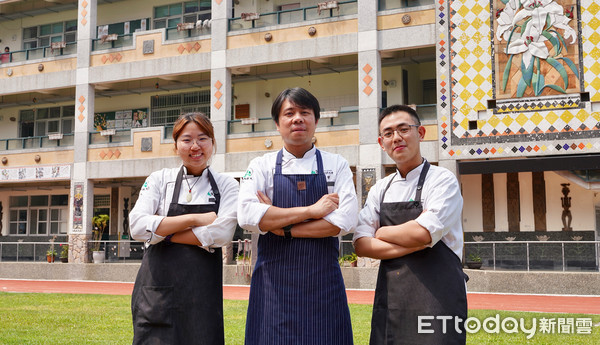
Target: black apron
178	293
429	282
297	294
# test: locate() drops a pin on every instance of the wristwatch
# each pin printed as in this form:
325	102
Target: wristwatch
287	231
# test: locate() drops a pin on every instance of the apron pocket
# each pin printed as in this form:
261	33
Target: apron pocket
155	306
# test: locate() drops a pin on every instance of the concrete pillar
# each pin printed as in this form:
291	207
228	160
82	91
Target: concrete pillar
369	97
82	189
220	85
220	80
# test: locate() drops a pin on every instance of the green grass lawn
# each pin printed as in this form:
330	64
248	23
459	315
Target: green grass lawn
100	319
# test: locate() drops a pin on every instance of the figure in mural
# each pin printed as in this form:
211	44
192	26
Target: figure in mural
0	218
566	204
125	216
527	26
78	208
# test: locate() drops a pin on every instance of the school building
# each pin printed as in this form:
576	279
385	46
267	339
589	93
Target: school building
509	93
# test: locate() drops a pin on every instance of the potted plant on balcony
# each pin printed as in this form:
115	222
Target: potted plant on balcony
474	261
50	254
64	253
99	222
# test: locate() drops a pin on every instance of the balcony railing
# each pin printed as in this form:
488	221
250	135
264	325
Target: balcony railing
114	251
36	142
119	136
175	33
28	251
266	124
536	255
395	4
42	52
117	41
293	16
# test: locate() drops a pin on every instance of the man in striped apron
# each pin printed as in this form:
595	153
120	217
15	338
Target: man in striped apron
299	199
412	222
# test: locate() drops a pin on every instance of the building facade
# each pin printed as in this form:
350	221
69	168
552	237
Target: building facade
90	89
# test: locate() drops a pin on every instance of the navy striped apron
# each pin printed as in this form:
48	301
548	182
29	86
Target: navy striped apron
429	282
178	293
297	295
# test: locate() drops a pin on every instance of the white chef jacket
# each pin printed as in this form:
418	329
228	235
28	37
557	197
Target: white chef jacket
155	197
259	177
442	205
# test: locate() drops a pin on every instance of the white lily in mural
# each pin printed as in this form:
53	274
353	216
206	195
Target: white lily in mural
527	26
531	43
505	19
545	13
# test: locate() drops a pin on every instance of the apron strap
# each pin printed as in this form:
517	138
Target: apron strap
388	186
278	162
421	180
215	188
211	179
175	198
319	162
419	184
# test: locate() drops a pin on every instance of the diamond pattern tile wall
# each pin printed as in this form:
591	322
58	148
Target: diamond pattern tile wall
465	77
471	68
590	32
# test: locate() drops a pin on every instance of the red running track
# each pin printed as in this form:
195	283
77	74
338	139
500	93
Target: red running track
509	302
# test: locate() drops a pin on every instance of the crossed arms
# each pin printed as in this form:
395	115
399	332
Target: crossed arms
308	221
393	241
181	226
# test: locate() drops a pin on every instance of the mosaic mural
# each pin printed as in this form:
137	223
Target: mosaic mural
517	77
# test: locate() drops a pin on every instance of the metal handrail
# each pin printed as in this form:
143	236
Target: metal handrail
14	55
528	256
37	140
404	4
279	13
34	256
120	38
110	139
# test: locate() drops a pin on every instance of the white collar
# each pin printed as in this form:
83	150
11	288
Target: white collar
185	172
308	154
413	174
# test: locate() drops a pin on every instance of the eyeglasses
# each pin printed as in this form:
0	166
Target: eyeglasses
201	141
402	130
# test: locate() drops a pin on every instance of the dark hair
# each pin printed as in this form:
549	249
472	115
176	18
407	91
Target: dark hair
396	108
6	48
198	118
300	98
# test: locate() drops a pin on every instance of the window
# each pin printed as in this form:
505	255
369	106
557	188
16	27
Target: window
43	121
429	91
166	109
169	16
102	200
38	214
123	28
43	35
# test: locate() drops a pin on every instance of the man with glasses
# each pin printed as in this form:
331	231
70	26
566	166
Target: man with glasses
412	222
